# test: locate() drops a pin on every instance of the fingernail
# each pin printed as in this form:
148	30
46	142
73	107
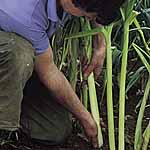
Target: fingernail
85	76
95	146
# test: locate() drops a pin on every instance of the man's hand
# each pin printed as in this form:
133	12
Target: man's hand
98	57
90	129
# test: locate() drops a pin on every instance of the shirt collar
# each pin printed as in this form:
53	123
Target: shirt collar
52	10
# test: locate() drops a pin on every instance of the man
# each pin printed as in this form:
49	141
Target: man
26	27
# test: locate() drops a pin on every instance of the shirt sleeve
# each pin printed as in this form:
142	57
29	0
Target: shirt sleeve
39	40
37	37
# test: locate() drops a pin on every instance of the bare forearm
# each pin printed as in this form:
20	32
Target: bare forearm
56	82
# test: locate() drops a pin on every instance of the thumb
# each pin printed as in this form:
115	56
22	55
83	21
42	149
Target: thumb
90	68
88	71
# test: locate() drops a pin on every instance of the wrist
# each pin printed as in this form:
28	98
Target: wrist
84	116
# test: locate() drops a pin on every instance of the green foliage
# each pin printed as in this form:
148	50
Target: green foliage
146	137
127	61
138	133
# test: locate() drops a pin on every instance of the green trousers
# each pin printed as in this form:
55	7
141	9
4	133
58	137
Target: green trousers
24	101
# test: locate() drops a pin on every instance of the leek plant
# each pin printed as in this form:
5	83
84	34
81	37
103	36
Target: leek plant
142	34
107	33
92	88
66	47
74	47
146	137
85	52
128	16
138	133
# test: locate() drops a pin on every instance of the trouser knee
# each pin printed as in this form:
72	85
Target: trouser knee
16	65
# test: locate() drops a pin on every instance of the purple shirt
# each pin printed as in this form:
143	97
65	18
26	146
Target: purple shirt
35	20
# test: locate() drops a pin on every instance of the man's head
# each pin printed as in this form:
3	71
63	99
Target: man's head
105	11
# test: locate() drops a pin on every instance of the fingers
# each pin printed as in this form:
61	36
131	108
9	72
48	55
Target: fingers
95	67
84	61
98	70
94	137
90	68
95	142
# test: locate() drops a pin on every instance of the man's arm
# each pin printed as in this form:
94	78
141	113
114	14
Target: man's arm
56	82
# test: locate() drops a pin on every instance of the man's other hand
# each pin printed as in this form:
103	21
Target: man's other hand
98	57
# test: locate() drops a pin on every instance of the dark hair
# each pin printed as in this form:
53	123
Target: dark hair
107	10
